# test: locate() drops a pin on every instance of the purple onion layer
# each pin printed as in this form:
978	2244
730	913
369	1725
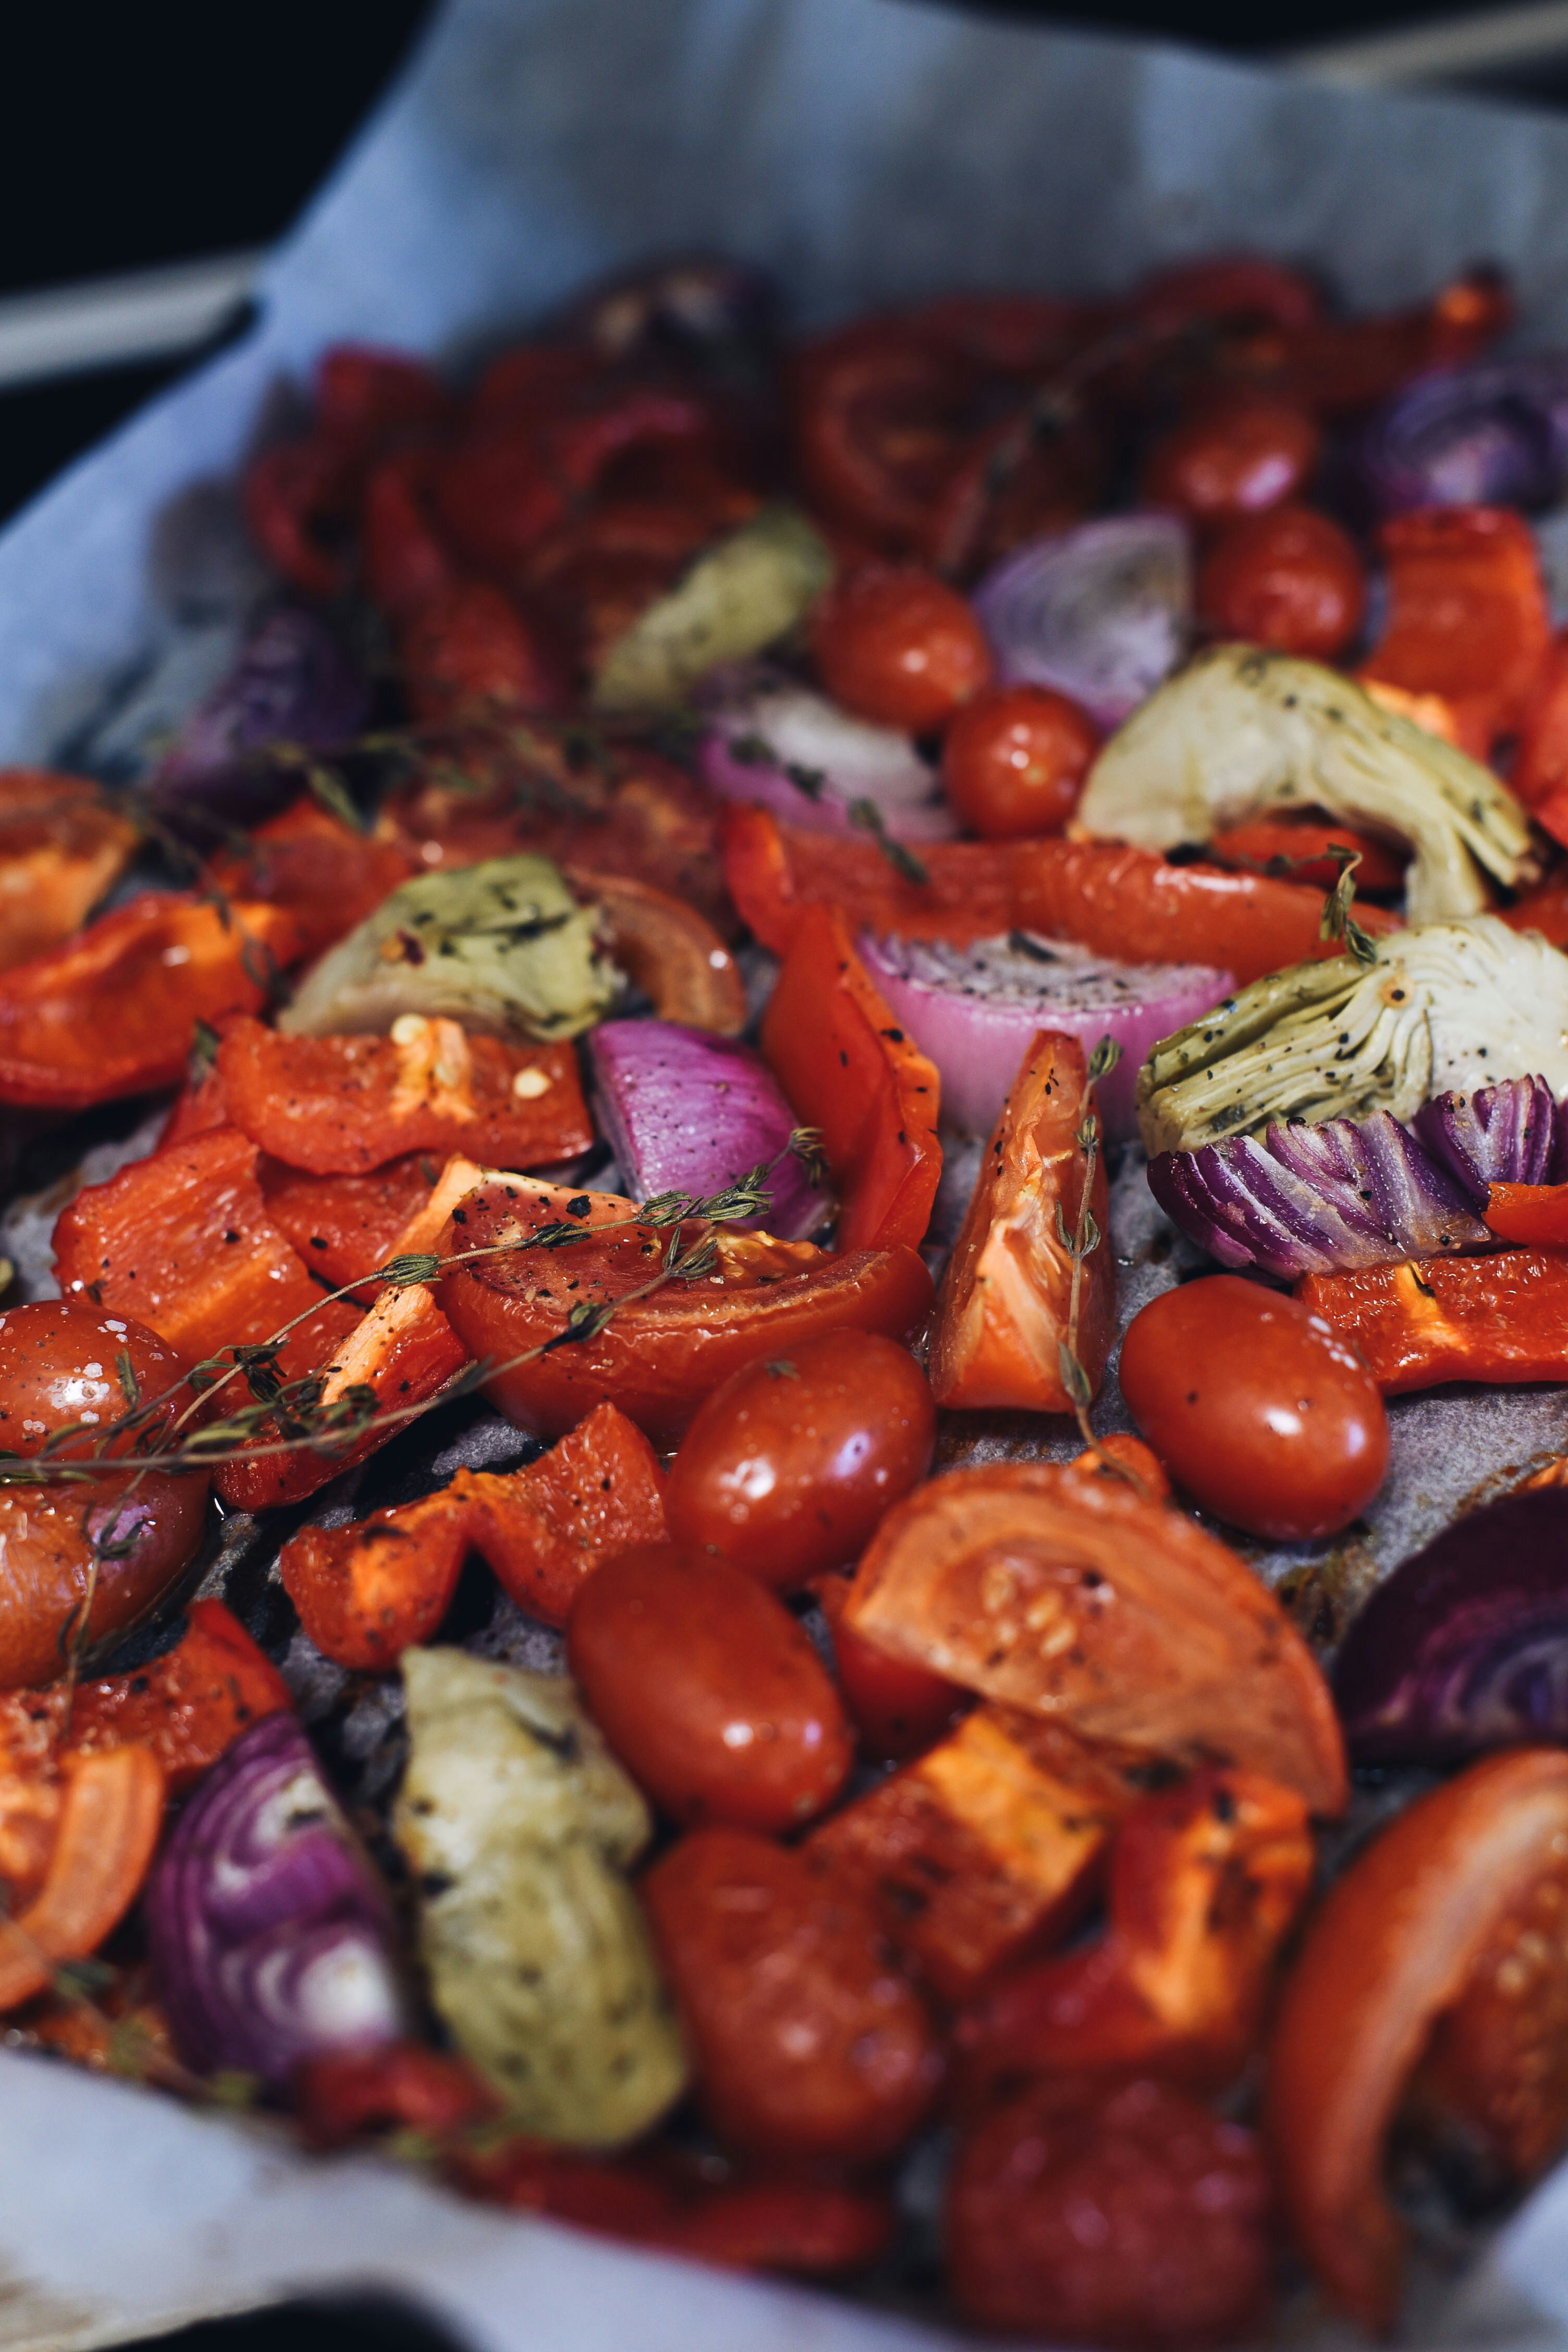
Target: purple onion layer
270	1934
292	684
1496	435
1465	1647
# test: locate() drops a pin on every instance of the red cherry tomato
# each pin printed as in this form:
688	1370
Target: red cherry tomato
1289	578
707	1690
1125	2216
1015	759
1256	1406
1233	459
791	1463
805	2039
899	647
60	1365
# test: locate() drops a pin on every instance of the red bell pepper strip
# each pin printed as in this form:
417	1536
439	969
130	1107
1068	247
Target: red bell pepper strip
1296	850
112	1012
1206	1881
1003	1313
342	1106
1391	1949
404	554
366	1592
188	1705
1533	1214
1468	614
974	1853
62	843
1339	366
1416	1325
320	870
365	396
298	501
344	1227
108	1828
1111	898
183	1243
1540	770
466	651
847	1068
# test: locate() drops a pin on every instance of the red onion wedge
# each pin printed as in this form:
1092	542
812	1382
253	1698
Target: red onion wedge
1101	613
271	1934
1490	436
974	1010
773	742
687	1112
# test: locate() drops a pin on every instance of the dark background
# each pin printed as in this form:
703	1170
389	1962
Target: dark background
147	135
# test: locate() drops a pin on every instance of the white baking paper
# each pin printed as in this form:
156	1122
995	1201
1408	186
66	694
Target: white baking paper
869	151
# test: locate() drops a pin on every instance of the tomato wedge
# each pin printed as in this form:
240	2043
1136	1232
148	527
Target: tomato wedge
1067	1593
1103	893
847	1068
108	1827
111	1014
659	1355
1393	1948
1005	1306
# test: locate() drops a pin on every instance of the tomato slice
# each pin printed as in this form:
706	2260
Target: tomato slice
847	1068
659	1355
1005	1306
1069	1594
108	1828
342	1106
112	1012
1101	893
1397	1944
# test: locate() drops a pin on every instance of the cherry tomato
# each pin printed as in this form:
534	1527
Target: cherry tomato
805	2040
1124	2216
793	1460
1015	759
897	645
1256	1407
1289	578
708	1689
60	1365
1233	458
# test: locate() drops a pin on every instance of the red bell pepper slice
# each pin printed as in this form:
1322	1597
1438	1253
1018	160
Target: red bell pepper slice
320	870
366	1592
342	1106
112	1012
1101	893
846	1068
61	846
976	1852
1206	1881
1533	1214
1502	1318
183	1243
344	1227
1302	846
1468	614
188	1705
1540	770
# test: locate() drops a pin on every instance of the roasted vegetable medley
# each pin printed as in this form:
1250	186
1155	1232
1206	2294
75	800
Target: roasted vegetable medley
733	1150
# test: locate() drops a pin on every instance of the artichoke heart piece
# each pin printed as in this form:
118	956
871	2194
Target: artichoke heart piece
743	595
502	947
1443	1006
1242	731
518	1826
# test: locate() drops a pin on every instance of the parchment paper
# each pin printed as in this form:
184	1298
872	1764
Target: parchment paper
869	150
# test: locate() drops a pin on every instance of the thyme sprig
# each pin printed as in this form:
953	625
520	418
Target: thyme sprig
1338	922
868	816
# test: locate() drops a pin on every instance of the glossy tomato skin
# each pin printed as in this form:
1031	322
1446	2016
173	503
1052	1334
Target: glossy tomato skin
1014	760
896	644
790	1463
60	1365
709	1691
1236	459
807	2039
1125	2215
1289	578
1256	1407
